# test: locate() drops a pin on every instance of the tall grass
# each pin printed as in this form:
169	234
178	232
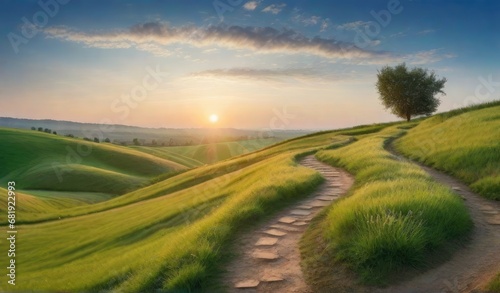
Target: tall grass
41	161
396	216
173	242
198	155
165	236
464	142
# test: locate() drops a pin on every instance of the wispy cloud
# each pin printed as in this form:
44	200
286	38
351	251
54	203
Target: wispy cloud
426	32
251	5
398	35
274	8
325	23
429	56
156	37
280	74
355	25
159	36
312	20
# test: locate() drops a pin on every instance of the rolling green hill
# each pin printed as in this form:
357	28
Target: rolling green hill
194	156
464	142
40	161
175	235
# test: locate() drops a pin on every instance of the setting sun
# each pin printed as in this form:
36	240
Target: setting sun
213	118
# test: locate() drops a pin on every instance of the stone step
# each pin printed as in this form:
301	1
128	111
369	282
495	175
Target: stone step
266	241
299	223
285	228
320	203
300	212
326	197
287	220
247	284
304	207
265	255
274	232
271	278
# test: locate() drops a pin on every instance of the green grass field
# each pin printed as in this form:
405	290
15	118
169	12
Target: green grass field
198	155
464	143
389	222
40	161
173	229
173	240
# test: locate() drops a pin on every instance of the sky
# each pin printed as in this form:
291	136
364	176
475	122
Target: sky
255	64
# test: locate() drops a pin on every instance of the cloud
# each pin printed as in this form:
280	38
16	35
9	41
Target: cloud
312	20
355	25
427	57
278	75
156	36
398	35
251	5
274	8
260	74
325	23
426	32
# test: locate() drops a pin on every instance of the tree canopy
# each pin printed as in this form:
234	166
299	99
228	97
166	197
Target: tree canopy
409	92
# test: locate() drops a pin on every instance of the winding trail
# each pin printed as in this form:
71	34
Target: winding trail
472	266
268	258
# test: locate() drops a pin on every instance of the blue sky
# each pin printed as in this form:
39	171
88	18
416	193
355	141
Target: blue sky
246	61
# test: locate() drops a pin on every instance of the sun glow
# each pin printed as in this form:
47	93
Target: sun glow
213	118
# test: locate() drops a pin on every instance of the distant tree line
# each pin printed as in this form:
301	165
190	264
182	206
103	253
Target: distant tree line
48	130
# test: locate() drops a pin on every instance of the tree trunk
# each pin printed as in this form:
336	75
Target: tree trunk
408	117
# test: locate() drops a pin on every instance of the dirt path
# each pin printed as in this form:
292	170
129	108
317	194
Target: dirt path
268	258
471	267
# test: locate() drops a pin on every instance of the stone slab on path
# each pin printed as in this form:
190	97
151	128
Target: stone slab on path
320	203
287	220
300	212
299	223
266	241
326	197
285	228
304	207
270	278
247	284
274	232
266	255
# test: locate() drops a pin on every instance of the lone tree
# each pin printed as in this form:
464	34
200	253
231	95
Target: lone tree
408	92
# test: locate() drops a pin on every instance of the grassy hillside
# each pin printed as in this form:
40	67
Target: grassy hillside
464	143
175	235
197	155
389	222
40	161
165	237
